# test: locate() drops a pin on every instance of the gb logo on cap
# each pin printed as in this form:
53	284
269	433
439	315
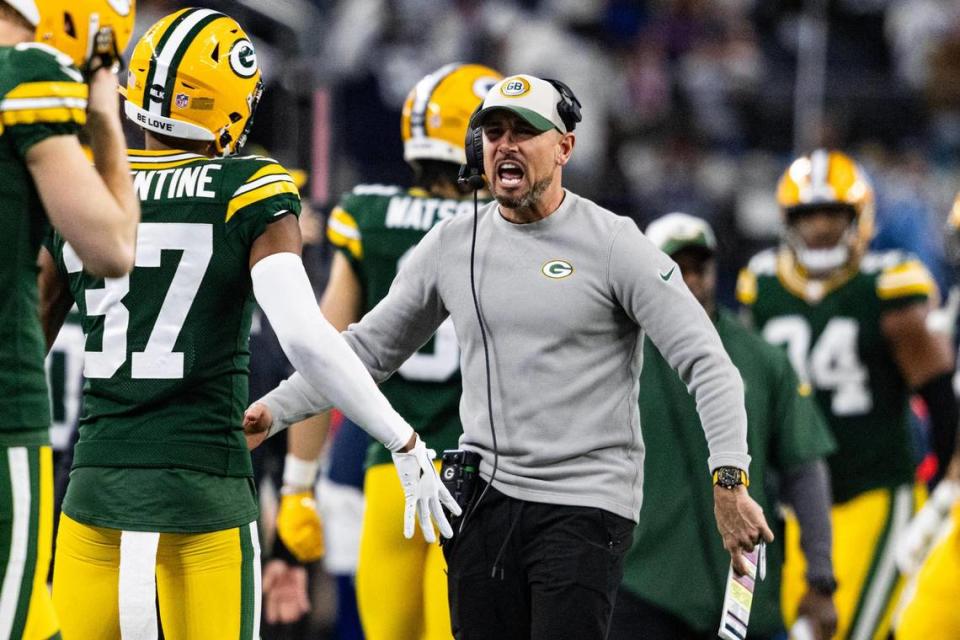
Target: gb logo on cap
514	87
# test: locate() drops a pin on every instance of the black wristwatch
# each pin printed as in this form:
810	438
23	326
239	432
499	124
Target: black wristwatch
824	585
730	477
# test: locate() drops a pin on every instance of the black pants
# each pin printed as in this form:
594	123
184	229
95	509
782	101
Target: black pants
532	571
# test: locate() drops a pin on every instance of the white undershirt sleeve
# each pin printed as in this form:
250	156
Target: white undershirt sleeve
331	372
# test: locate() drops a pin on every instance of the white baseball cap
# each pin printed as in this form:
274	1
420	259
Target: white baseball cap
676	231
533	99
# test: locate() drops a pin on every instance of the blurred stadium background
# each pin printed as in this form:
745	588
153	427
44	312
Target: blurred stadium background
693	105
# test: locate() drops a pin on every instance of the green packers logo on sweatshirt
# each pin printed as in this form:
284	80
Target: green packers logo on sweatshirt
556	269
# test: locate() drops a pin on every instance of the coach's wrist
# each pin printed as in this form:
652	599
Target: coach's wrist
823	585
411	443
728	477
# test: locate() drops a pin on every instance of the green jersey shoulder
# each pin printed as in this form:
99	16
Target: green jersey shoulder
832	332
41	94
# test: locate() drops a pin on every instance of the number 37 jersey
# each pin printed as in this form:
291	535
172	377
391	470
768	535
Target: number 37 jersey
832	333
166	357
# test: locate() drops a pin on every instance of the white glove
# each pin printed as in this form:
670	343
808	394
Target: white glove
423	492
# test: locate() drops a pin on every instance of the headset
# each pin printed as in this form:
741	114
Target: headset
471	174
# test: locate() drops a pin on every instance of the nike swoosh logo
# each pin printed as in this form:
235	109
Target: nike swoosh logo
666	276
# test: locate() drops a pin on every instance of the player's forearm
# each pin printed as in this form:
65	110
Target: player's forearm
54	296
304	443
117	224
319	353
944	415
807	490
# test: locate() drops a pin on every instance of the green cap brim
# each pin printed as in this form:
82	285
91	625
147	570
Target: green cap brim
531	117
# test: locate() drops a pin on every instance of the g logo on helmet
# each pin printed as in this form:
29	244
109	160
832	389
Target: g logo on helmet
514	87
243	59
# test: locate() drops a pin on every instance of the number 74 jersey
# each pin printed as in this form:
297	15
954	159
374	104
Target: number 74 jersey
832	334
166	355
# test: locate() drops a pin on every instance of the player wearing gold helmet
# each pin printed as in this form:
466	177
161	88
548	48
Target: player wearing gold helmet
46	178
373	228
161	508
854	325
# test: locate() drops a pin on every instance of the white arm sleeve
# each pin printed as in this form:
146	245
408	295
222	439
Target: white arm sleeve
315	349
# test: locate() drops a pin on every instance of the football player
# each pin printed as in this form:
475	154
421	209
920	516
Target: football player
788	439
930	552
373	228
161	507
854	325
45	177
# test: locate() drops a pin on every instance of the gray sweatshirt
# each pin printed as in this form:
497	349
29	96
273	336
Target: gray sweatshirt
566	302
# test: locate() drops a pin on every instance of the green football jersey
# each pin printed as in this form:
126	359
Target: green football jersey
831	331
375	227
166	360
677	561
41	95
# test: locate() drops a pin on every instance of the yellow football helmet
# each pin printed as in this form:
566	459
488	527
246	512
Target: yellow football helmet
80	28
195	75
827	180
438	109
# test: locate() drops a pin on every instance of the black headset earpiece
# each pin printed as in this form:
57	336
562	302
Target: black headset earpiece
569	107
471	174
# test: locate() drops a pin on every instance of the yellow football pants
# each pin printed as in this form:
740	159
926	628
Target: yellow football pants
932	600
401	584
26	537
107	583
865	530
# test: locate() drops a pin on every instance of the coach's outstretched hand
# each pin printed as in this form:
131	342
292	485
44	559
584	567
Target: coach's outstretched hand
741	523
257	420
425	495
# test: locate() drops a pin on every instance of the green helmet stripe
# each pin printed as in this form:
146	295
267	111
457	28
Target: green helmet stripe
151	72
178	58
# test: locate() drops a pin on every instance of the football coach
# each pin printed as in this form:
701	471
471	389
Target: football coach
552	298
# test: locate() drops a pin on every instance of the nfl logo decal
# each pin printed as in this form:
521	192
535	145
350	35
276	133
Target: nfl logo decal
182	100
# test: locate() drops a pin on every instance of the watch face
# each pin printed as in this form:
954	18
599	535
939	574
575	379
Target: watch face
728	477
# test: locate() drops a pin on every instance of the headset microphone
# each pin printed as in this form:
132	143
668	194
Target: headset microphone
470	179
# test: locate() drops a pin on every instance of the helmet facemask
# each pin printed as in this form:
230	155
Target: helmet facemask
819	262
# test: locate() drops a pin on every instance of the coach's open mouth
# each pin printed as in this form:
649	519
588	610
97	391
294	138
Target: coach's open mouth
510	173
